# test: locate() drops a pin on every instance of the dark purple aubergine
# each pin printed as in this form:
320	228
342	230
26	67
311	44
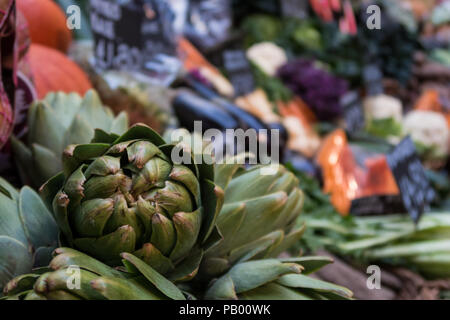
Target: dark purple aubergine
245	119
190	107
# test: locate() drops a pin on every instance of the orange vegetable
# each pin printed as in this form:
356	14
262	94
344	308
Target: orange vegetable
53	71
345	180
192	58
429	101
46	23
380	179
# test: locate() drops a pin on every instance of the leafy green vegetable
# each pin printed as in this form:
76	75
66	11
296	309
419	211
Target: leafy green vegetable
384	128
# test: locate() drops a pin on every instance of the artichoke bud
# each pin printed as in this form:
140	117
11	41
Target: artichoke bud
126	195
103	166
91	217
163	233
139	153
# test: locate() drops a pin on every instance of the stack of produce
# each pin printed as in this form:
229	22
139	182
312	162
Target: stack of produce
121	198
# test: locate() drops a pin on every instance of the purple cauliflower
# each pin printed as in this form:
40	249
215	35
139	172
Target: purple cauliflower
318	88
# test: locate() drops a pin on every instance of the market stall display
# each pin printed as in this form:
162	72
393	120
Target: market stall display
334	117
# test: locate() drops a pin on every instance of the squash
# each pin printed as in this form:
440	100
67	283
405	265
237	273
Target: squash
53	71
46	23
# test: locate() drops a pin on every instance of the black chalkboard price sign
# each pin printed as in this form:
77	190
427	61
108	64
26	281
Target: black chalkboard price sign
410	176
353	113
117	29
239	71
129	34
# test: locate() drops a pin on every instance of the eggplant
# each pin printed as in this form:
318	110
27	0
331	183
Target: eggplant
245	119
190	107
242	118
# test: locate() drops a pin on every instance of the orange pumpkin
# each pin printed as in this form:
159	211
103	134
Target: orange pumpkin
46	23
53	71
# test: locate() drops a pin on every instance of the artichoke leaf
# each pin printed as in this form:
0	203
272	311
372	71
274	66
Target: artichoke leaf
188	268
79	132
21	283
25	161
154	258
187	226
120	124
64	280
49	190
139	132
163	234
274	291
303	281
103	166
66	257
101	136
310	264
212	201
15	259
46	129
121	289
164	285
39	225
109	247
46	163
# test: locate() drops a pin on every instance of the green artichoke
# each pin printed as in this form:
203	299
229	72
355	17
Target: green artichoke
276	279
95	281
124	194
257	216
56	122
28	233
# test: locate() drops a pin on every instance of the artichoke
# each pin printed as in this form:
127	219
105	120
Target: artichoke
95	281
28	233
276	279
257	216
124	194
56	122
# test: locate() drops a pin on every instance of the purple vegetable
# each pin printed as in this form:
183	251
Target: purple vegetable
318	88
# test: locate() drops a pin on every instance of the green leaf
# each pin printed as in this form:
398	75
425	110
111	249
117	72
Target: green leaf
39	225
15	259
310	264
164	285
302	281
141	132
